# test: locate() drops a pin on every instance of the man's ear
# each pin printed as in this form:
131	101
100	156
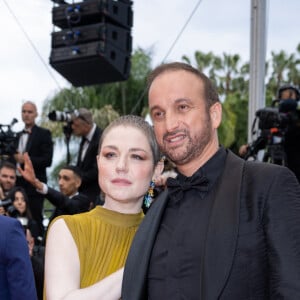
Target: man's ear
78	182
216	114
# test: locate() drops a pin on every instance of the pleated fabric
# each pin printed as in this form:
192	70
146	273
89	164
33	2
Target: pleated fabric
103	238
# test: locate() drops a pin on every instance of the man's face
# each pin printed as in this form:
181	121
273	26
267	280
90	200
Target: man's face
68	182
7	178
29	114
288	94
80	127
185	129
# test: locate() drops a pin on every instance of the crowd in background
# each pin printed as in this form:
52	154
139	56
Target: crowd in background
23	180
22	196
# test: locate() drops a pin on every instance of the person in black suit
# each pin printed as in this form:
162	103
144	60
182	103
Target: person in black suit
224	228
37	141
90	133
68	201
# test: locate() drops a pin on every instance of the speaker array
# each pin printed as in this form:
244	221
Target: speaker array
93	43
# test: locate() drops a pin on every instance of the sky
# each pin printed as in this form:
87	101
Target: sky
216	25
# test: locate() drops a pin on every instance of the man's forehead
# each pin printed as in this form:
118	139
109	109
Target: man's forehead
7	170
29	106
66	172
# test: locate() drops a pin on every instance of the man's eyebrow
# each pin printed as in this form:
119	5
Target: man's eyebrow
155	107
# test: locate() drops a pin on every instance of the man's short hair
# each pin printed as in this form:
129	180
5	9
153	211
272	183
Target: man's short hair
83	114
76	170
8	165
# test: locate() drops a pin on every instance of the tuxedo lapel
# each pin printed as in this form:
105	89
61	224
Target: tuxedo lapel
31	137
223	230
90	149
139	255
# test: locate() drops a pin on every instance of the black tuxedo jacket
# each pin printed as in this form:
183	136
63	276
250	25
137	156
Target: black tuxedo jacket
252	248
89	169
65	205
40	150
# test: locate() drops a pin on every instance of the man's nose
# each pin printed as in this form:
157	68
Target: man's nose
171	121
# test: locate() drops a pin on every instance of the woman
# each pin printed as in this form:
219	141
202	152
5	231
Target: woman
85	253
20	210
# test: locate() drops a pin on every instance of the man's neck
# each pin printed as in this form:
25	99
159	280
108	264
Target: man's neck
74	194
191	167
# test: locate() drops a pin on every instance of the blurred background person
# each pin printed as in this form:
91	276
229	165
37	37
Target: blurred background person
290	96
287	102
7	183
16	274
68	201
37	141
84	127
19	209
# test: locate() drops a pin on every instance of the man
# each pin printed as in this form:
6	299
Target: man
37	141
289	130
90	133
68	201
7	182
224	228
8	178
16	275
290	96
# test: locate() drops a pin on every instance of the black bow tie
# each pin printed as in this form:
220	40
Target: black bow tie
177	188
26	131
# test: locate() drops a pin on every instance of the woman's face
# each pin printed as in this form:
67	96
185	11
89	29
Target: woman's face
19	202
126	166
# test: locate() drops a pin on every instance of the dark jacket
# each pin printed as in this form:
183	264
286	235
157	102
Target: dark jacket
89	185
252	249
65	205
40	150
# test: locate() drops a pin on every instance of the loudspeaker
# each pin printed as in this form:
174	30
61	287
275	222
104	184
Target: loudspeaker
114	35
94	43
93	11
91	63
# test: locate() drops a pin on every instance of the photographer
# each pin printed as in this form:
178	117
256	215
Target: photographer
288	127
84	127
80	123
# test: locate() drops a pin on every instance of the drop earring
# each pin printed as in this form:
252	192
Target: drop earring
148	198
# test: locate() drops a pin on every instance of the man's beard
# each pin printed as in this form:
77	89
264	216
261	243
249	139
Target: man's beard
193	149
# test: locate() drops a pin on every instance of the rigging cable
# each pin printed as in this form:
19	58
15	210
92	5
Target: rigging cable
169	51
32	44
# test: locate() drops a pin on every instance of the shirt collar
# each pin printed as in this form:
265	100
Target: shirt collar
89	136
212	169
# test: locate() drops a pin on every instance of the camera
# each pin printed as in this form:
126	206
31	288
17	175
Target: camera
274	122
12	211
270	117
60	116
279	117
8	139
5	203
